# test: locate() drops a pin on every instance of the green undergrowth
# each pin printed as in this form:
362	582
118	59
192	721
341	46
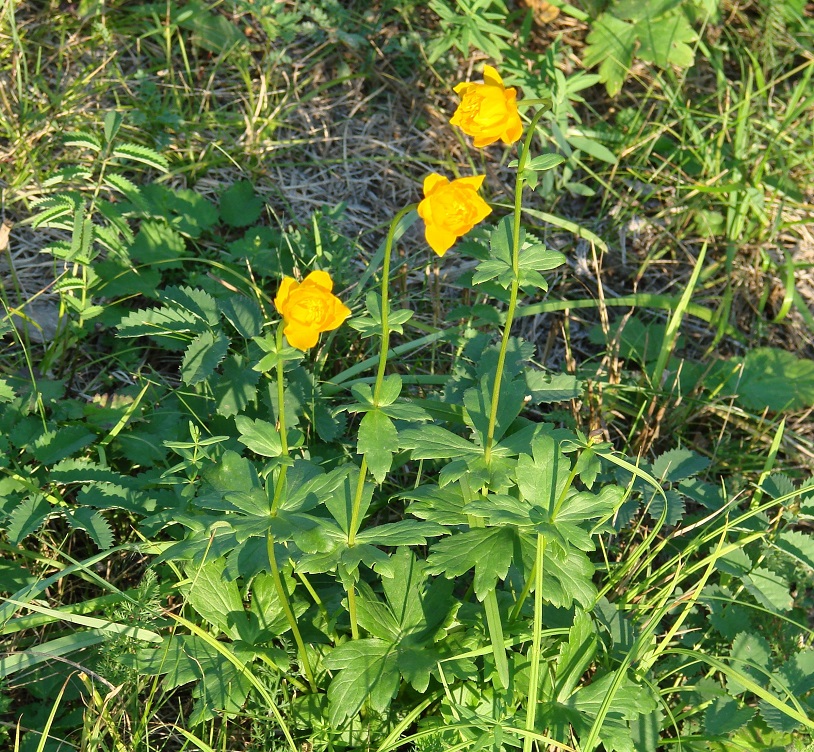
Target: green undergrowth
436	529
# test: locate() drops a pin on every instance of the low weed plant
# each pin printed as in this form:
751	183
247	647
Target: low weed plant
346	551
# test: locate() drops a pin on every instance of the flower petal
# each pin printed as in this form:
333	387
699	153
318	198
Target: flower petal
474	181
301	337
439	239
491	76
433	181
323	279
286	287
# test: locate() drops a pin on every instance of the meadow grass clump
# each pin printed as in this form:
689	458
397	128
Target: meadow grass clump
393	383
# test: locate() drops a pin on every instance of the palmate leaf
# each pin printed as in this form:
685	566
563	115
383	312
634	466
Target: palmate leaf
610	45
378	441
240	206
666	40
260	436
367	671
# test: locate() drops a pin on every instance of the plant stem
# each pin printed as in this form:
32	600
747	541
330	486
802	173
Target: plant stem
289	614
490	605
513	290
388	251
278	492
385	346
536	643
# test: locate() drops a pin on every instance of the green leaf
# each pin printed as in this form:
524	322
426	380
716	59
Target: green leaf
666	40
240	206
214	598
776	719
610	45
488	550
137	153
236	387
593	148
546	388
92	522
158	243
575	655
243	314
158	322
545	162
750	655
774	379
770	589
798	545
367	669
27	518
678	464
197	302
260	436
83	139
53	446
433	442
378	441
542	480
726	715
478	404
203	355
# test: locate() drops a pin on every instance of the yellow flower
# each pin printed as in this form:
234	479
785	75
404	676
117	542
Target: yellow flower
488	111
450	210
308	308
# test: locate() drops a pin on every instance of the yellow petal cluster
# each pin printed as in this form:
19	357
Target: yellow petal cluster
308	308
488	111
450	209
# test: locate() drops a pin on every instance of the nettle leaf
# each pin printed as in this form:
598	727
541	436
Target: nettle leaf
53	446
797	545
769	589
675	506
677	465
92	522
378	441
797	672
726	715
243	314
203	355
27	518
260	436
751	655
367	670
240	206
488	550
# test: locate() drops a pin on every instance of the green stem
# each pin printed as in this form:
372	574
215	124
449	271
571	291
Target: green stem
289	614
490	605
278	488
388	249
385	346
514	289
278	492
536	644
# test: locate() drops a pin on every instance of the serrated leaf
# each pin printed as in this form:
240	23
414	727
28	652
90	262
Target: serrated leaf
798	545
769	588
203	355
92	522
6	391
83	139
53	446
678	464
260	436
243	314
367	669
27	518
158	322
488	550
776	719
158	243
726	715
610	45
433	442
378	441
240	206
137	153
665	40
478	404
216	599
751	655
107	495
198	302
675	506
